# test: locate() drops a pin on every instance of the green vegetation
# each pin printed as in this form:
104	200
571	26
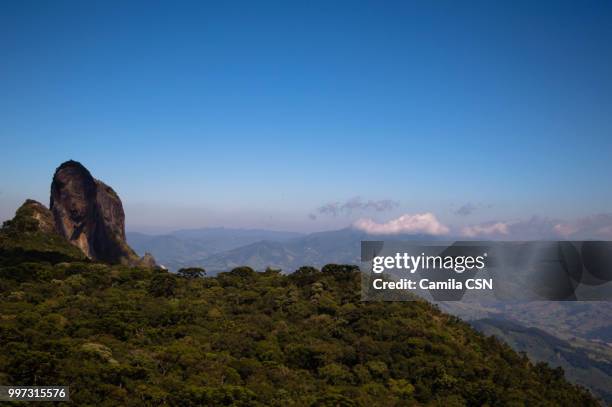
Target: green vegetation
135	336
120	335
29	236
191	272
579	365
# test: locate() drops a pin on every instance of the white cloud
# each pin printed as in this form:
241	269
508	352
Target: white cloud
407	223
590	227
597	226
564	229
498	228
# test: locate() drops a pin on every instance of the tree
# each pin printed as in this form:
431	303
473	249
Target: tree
339	268
191	272
162	285
242	272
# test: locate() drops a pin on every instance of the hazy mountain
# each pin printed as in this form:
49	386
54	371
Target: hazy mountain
258	255
188	247
585	325
234	237
316	249
580	366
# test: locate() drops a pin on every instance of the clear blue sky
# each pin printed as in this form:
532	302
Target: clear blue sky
256	113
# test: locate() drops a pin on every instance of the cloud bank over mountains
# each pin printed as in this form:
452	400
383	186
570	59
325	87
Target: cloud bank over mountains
426	223
591	227
486	229
597	226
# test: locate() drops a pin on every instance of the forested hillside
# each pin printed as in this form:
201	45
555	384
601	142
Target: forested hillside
136	336
581	366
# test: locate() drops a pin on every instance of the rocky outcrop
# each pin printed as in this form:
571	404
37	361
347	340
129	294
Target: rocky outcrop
31	235
89	214
148	261
33	216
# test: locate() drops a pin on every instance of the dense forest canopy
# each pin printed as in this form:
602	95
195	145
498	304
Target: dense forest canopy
136	336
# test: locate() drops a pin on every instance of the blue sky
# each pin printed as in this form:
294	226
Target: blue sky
255	114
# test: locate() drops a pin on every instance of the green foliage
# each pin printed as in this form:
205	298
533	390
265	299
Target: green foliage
163	284
192	272
141	337
22	240
242	272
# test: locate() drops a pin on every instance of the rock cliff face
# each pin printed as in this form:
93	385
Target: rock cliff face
89	214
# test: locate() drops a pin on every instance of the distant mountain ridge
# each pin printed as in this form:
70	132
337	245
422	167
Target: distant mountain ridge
234	233
187	247
219	249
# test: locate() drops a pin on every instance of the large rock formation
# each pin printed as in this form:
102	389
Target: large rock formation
89	214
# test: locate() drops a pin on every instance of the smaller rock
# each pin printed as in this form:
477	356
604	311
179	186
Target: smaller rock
147	261
32	216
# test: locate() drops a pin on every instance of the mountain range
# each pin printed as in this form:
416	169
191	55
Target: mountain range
189	247
220	249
